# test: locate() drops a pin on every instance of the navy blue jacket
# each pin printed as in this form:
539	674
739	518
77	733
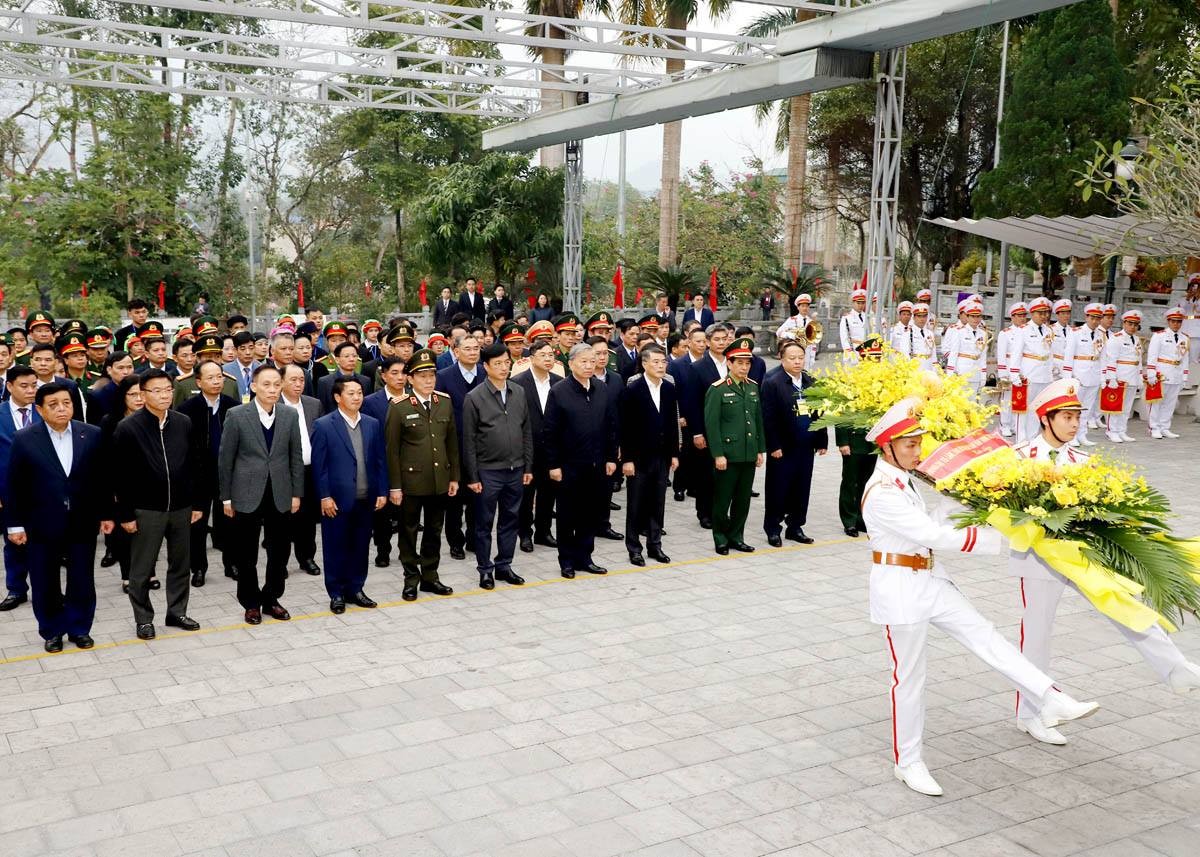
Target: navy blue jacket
49	504
784	428
8	430
376	405
451	382
334	467
706	316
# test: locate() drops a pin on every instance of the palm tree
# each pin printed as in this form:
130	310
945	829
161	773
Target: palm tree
556	99
791	133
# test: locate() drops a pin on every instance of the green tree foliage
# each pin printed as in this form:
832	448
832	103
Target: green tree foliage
1069	90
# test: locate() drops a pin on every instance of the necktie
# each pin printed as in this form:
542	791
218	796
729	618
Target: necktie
246	375
427	408
24	416
1054	455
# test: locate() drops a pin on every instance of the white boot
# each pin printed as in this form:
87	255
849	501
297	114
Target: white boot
1115	438
1169	433
1085	442
1156	434
1034	728
1127	438
917	777
1058	708
1185	678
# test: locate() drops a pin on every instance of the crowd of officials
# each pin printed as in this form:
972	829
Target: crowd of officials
501	433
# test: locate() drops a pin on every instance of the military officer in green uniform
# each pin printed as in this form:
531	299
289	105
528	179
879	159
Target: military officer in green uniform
207	350
733	425
72	348
99	339
858	458
566	328
39	328
423	472
601	324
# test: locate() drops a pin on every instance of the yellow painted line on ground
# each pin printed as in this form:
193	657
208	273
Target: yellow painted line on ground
69	649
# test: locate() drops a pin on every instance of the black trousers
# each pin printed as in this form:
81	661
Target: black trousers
460	507
383	525
856	470
582	510
789	483
304	522
700	480
537	505
269	523
211	513
499	503
430	510
60	612
647	499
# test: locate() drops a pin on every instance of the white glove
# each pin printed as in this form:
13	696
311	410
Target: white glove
1111	384
1151	377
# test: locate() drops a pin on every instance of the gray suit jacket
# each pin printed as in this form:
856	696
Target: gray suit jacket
312	410
244	465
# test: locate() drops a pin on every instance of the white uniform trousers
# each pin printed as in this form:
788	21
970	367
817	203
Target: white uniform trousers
1007	421
1089	397
1029	426
1163	411
1119	423
953	614
1039	600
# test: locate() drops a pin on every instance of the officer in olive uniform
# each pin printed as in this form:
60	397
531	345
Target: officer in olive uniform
206	349
72	348
99	339
733	424
566	327
601	324
858	457
39	327
423	472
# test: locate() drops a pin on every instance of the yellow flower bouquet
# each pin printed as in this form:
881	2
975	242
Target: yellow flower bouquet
1092	521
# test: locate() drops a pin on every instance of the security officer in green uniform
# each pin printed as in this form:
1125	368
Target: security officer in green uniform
423	472
601	324
39	328
858	458
99	339
207	350
733	425
72	348
566	327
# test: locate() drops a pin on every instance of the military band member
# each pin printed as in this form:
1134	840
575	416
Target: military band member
1107	319
1082	361
967	356
1030	363
794	326
852	329
902	337
1123	364
733	426
1167	359
924	346
911	590
423	473
1062	328
1018	313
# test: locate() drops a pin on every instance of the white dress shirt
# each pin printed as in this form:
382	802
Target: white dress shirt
61	441
655	392
267	419
543	389
16	414
305	443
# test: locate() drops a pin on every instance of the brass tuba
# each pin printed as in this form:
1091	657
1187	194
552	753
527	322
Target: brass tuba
812	334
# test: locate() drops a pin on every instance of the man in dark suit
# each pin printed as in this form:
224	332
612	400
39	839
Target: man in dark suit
394	383
699	313
139	314
501	304
349	465
537	502
207	412
444	310
56	500
345	355
456	381
649	432
471	301
17	412
626	348
705	372
680	370
791	445
766	302
663	312
261	445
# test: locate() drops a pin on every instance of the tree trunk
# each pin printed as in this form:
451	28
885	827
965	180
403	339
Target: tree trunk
832	189
401	294
552	157
793	206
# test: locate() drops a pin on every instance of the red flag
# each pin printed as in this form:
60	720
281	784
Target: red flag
300	294
529	297
83	293
162	295
588	291
423	293
1	297
637	298
712	290
863	284
687	297
24	310
795	277
618	281
530	276
367	289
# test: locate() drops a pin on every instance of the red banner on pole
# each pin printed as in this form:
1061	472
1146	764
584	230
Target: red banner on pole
162	295
712	290
367	289
618	281
423	293
83	290
300	294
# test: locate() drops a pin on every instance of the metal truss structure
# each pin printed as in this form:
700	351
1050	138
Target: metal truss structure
573	227
883	221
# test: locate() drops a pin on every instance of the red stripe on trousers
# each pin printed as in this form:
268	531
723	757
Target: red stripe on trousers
1022	647
895	684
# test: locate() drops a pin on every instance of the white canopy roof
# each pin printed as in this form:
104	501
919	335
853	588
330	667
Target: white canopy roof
1064	237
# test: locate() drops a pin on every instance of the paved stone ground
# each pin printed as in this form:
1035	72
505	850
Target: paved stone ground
716	707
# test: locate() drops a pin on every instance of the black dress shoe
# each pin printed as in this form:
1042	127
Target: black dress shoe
637	559
526	545
798	535
743	547
382	561
198	578
145	631
657	555
437	588
108	560
231	573
82	641
592	568
547	541
277	612
54	644
486	581
155	583
310	566
125	586
775	541
723	550
568	573
612	534
11	602
185	623
253	616
409	593
510	577
613	507
337	606
457	553
706	523
361	599
755	494
680	496
851	532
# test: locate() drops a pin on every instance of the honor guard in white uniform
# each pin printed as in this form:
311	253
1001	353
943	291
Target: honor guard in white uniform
1018	314
1167	359
1108	318
911	590
1058	409
852	329
1082	362
1062	328
1191	318
924	343
902	334
967	354
1030	363
793	326
1123	362
951	331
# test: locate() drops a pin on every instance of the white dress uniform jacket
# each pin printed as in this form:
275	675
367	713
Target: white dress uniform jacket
965	354
924	348
1084	356
852	331
1030	355
793	328
1058	346
1167	357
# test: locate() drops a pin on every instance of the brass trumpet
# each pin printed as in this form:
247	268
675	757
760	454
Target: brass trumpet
812	334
